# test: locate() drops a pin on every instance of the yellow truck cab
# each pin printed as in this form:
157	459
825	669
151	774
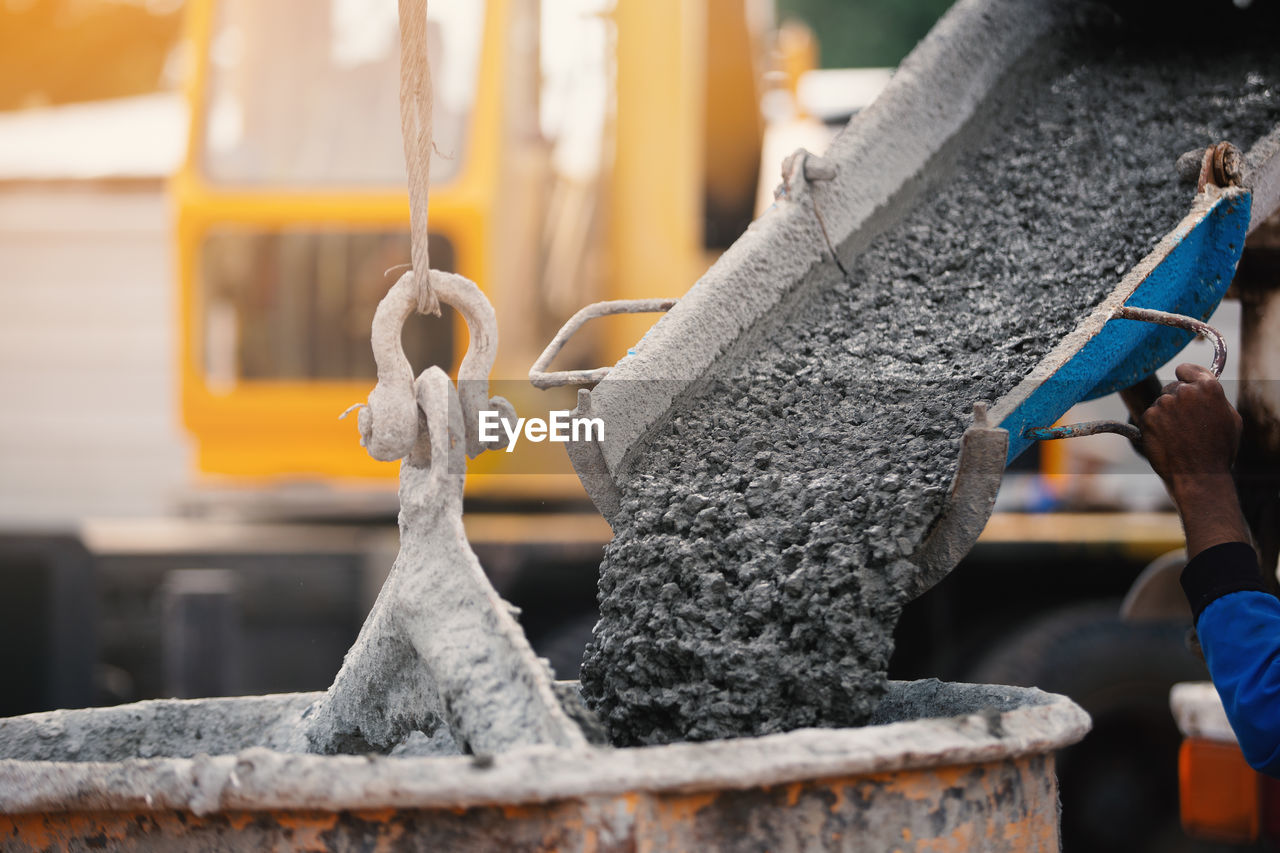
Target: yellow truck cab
293	221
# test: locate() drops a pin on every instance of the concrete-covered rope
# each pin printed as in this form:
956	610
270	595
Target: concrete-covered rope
416	102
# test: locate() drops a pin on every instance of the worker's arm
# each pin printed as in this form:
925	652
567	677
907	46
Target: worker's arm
1190	436
1239	630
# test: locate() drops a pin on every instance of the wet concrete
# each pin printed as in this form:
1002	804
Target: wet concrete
758	564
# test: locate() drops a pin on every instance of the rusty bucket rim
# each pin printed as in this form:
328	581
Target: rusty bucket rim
258	779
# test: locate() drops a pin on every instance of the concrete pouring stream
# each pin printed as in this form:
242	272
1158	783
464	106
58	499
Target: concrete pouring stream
758	564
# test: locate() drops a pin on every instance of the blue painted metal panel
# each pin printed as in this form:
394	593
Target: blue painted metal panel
1191	279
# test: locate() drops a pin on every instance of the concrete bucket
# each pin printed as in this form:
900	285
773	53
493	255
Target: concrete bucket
442	730
943	767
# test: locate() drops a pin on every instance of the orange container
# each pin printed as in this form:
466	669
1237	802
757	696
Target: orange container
1218	792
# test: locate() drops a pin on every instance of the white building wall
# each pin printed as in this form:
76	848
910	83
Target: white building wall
88	359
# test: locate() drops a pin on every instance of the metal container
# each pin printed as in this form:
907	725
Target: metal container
943	767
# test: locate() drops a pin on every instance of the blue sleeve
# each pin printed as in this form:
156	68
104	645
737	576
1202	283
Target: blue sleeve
1240	635
1239	627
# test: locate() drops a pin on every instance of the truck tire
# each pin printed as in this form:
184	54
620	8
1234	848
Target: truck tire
1119	786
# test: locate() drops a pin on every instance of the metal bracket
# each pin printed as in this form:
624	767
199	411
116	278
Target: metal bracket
538	374
389	422
1129	431
969	503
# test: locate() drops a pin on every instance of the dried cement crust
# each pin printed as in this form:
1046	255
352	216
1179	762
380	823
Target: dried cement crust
440	663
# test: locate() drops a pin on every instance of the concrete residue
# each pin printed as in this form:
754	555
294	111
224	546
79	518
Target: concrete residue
185	728
758	564
440	660
172	728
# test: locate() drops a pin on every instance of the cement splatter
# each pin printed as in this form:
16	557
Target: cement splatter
169	728
757	568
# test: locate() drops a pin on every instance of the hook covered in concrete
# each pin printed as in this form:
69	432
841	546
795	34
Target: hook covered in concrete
389	423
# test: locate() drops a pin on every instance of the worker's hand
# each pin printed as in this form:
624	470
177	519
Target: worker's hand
1190	435
1191	431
